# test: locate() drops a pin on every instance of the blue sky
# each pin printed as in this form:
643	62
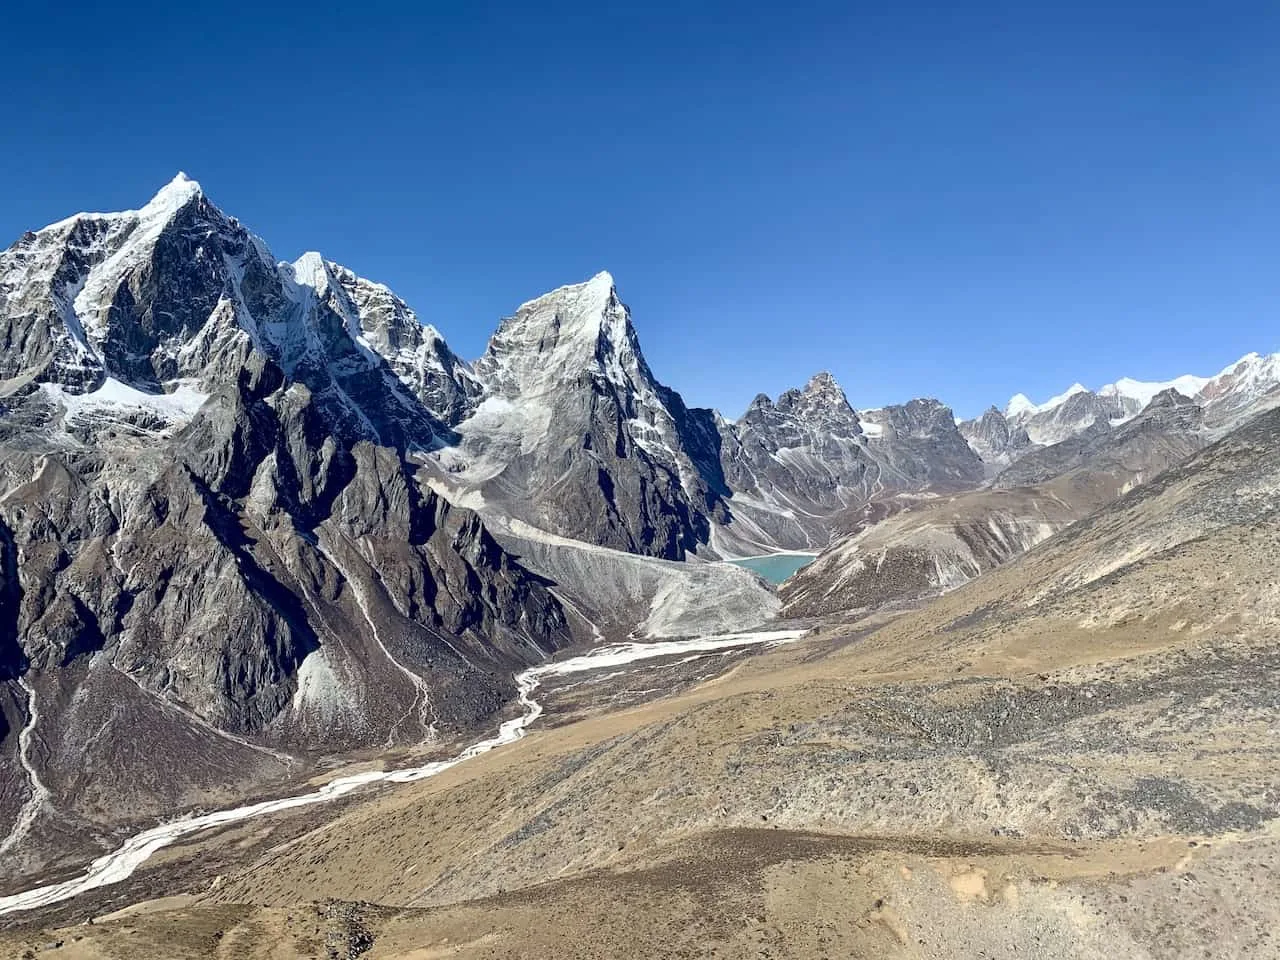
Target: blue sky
957	200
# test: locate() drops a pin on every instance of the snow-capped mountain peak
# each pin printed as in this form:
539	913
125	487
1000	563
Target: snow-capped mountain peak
1020	405
577	328
572	420
311	270
1252	372
598	290
1244	388
176	292
175	194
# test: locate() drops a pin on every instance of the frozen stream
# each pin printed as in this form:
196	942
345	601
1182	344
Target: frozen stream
121	863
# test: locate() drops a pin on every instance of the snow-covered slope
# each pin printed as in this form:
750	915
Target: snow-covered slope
1021	407
1248	386
1144	391
1067	414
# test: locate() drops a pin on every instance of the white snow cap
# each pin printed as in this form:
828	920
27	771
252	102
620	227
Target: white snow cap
597	290
311	270
1062	398
1144	391
1020	405
174	195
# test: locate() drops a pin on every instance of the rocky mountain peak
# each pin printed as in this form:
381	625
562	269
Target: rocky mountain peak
1170	413
823	391
571	429
575	330
823	383
821	405
921	441
1169	399
921	415
993	438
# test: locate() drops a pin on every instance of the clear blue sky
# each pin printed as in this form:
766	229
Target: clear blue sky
959	200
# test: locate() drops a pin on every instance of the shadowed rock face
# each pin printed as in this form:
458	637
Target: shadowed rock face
920	442
12	659
202	563
993	438
796	461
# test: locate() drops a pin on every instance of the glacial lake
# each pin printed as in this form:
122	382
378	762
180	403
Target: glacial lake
777	566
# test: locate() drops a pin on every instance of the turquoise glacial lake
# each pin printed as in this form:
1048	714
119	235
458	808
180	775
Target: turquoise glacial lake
776	567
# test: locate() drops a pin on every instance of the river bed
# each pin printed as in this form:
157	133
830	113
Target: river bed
121	863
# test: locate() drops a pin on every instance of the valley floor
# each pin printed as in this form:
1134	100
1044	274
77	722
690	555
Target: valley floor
929	785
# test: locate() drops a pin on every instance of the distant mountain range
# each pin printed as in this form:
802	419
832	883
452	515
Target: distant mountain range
1242	389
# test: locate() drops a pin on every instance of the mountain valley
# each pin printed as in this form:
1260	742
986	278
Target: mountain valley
264	536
